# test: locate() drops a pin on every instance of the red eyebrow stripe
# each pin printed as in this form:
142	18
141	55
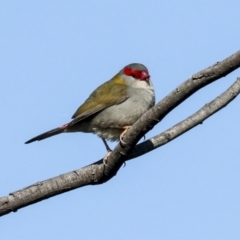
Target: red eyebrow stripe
143	75
128	71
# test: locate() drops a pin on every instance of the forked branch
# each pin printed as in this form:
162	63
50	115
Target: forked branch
98	173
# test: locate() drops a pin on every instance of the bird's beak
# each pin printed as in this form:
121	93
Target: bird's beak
145	76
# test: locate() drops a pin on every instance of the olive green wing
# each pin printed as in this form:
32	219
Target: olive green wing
108	94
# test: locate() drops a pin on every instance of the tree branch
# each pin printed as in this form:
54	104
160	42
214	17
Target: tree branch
98	173
192	121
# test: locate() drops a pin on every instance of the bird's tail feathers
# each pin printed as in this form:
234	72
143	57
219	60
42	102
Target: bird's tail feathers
48	134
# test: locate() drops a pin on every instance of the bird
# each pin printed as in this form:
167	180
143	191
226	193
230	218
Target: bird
113	107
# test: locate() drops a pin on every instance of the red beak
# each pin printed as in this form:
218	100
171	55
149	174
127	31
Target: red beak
145	76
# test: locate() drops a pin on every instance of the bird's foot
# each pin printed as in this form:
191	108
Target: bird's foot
123	133
105	159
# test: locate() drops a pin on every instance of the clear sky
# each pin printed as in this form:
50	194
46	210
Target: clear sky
54	54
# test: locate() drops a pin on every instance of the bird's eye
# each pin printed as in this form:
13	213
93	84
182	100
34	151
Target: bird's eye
134	75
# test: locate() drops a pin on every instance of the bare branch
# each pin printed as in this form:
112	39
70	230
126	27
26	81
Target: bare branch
97	173
192	121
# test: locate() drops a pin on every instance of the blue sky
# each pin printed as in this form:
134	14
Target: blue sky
54	54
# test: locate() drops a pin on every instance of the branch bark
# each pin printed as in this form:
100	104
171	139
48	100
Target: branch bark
192	121
98	173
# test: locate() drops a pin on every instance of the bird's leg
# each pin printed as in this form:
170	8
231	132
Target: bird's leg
123	133
109	150
106	145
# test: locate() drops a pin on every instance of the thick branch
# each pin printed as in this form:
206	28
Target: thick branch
98	173
187	124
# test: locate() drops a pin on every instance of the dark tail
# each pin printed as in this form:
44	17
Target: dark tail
48	134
